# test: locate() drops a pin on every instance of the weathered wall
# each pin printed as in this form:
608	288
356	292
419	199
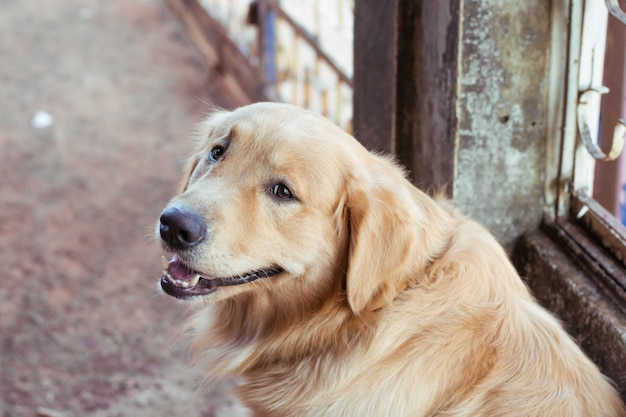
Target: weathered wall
501	110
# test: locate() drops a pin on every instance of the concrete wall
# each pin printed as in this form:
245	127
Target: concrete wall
502	109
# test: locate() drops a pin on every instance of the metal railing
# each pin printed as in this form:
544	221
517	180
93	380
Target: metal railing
304	49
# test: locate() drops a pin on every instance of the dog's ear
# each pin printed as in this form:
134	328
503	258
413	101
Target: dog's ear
386	230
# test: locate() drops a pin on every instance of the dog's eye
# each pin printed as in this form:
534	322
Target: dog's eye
281	192
216	153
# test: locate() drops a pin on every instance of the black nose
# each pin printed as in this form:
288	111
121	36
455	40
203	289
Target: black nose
181	229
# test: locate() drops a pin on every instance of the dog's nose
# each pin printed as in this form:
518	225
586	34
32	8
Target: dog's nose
181	229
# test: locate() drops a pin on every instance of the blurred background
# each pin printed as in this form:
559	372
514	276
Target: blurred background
96	102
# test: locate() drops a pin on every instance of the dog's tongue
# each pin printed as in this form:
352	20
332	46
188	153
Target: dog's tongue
177	270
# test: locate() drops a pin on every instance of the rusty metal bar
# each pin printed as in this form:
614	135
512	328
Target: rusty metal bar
602	224
311	41
589	139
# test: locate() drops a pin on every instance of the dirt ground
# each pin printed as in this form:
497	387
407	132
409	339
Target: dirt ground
84	331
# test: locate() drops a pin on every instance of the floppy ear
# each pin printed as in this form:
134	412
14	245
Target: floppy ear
384	251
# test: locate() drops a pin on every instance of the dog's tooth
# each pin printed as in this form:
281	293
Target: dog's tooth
194	280
165	262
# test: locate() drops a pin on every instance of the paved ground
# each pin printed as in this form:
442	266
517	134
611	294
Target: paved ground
83	329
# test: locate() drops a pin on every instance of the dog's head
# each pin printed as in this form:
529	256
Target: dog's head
279	199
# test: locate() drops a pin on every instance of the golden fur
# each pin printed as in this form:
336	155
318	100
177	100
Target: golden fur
390	303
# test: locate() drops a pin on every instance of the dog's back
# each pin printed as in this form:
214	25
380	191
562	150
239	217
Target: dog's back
463	339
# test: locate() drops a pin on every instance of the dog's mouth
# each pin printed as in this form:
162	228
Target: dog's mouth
180	281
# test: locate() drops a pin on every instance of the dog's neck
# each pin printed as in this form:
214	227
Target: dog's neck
252	331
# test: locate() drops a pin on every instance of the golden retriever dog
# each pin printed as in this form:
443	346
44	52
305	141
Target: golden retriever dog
333	287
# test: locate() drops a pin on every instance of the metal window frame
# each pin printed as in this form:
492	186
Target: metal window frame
578	51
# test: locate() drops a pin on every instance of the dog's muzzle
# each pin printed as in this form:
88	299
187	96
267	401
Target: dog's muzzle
181	229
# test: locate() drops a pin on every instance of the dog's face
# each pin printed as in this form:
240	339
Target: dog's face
254	207
279	200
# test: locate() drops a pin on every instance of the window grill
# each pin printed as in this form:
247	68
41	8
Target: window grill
591	134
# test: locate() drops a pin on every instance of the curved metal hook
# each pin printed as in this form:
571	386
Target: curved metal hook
591	142
616	10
